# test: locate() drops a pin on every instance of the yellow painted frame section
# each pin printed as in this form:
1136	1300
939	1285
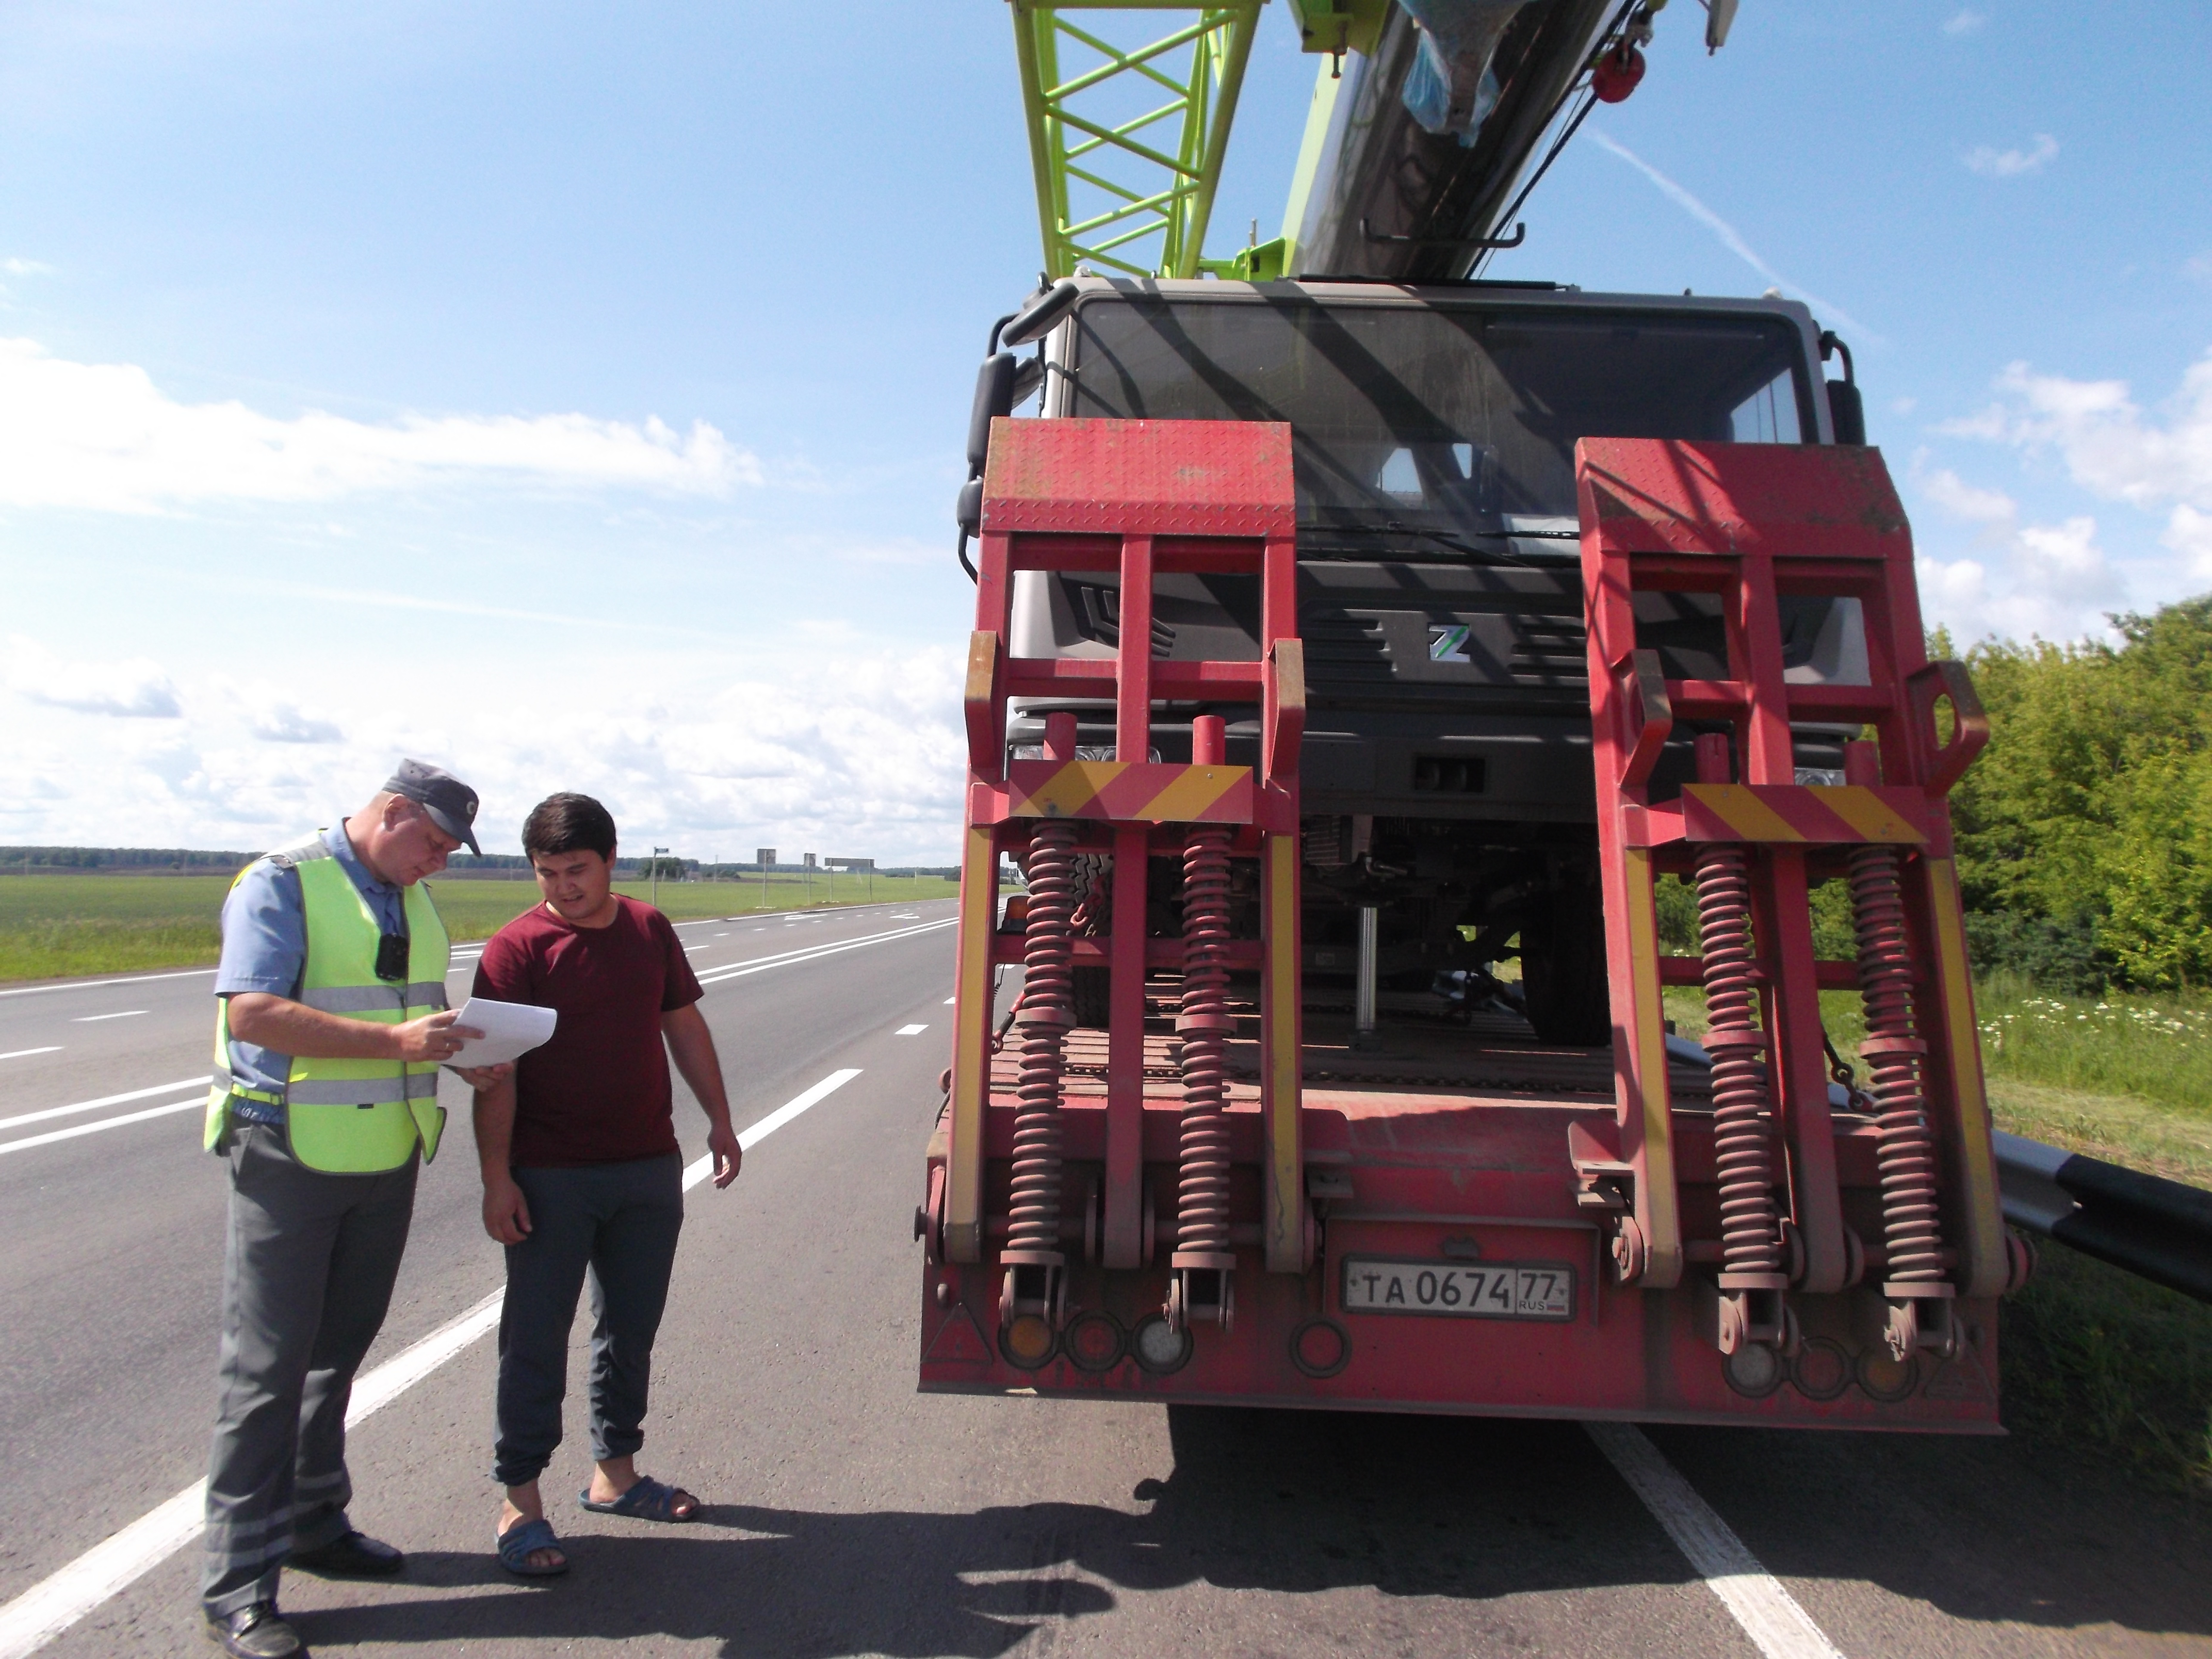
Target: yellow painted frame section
1283	1222
1984	1247
1868	813
971	1044
1658	1205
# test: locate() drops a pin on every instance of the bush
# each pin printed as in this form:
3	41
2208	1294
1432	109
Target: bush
2055	955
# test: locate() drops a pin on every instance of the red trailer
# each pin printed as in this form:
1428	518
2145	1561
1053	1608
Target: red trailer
1218	1193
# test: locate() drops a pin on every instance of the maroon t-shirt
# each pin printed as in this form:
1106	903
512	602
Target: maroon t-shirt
597	1091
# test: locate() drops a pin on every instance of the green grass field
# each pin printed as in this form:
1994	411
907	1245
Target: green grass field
64	927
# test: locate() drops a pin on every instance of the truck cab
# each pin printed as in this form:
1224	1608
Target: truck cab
1446	761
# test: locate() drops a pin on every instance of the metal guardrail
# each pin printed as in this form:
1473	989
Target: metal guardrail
2157	1228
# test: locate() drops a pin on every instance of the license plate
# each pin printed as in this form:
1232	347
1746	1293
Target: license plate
1489	1290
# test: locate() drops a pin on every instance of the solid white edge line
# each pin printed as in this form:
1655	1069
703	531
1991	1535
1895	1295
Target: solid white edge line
59	1601
105	1100
807	952
196	1102
1769	1615
738	970
96	984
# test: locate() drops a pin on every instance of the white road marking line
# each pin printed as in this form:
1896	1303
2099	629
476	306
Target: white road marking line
59	1601
88	1019
949	1001
101	984
1769	1615
18	1053
196	1102
910	1030
105	1100
811	952
699	1168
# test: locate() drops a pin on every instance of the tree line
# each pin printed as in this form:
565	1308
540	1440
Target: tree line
2085	829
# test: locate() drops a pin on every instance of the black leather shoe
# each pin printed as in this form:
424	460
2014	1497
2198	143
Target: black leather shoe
256	1633
355	1555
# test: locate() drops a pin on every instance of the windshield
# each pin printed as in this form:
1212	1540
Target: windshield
1439	419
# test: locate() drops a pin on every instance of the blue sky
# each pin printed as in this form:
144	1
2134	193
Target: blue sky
574	395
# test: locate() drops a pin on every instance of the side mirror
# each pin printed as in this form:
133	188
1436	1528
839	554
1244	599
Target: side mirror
969	511
1035	319
1846	412
994	395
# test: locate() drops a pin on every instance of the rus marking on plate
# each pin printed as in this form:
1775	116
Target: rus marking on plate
1492	1290
1448	644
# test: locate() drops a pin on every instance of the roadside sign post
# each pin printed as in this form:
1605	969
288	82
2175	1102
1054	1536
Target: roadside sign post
766	855
654	876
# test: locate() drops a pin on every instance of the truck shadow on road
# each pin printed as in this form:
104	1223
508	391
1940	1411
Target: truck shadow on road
1296	1503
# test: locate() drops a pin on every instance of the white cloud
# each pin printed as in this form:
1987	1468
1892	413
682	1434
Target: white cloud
2189	533
137	688
849	750
286	722
2049	579
1966	22
2107	444
2199	269
1993	163
1964	500
105	437
25	267
1731	238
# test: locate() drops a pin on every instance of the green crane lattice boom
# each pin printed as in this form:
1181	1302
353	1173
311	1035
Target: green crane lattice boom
1098	129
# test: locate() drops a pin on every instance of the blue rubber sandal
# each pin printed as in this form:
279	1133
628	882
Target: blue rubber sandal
524	1539
648	1500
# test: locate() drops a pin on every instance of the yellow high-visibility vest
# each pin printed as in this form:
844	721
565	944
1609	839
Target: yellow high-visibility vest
350	1116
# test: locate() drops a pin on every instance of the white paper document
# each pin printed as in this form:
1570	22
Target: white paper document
510	1029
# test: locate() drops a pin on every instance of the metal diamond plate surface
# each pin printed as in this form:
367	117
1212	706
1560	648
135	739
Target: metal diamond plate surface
1140	477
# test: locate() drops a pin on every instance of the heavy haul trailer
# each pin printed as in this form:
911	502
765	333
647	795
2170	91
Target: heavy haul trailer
1234	1186
1341	638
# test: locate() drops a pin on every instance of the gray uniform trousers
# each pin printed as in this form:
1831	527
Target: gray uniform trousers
307	1274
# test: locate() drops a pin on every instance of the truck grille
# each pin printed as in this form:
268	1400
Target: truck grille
1549	648
1341	649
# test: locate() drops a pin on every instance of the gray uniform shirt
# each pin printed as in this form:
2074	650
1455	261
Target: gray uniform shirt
264	948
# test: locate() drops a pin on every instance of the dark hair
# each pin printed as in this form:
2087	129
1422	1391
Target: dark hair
568	824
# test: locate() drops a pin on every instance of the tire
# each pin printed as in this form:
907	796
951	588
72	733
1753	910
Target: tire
1093	1006
1563	977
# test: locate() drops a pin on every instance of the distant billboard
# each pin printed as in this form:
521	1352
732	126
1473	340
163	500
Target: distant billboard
764	856
855	866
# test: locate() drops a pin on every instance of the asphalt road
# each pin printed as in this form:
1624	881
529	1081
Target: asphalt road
847	1514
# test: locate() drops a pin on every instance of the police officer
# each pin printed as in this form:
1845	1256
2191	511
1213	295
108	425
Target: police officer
331	1024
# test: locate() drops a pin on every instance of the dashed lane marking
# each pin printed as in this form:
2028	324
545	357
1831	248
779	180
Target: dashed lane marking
18	1053
51	1606
88	1019
1769	1615
910	1030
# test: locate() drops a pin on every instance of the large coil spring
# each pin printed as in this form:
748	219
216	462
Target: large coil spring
1743	1120
1048	1009
1202	1199
1904	1151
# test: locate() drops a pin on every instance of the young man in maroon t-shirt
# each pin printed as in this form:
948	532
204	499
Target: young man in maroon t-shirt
581	1169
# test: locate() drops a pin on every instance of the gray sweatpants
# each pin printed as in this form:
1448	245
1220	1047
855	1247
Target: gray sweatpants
307	1274
618	1222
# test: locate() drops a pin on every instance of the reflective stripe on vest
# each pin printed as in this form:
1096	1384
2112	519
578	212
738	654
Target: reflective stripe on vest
351	1117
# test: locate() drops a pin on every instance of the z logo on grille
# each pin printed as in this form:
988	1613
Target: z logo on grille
1448	644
